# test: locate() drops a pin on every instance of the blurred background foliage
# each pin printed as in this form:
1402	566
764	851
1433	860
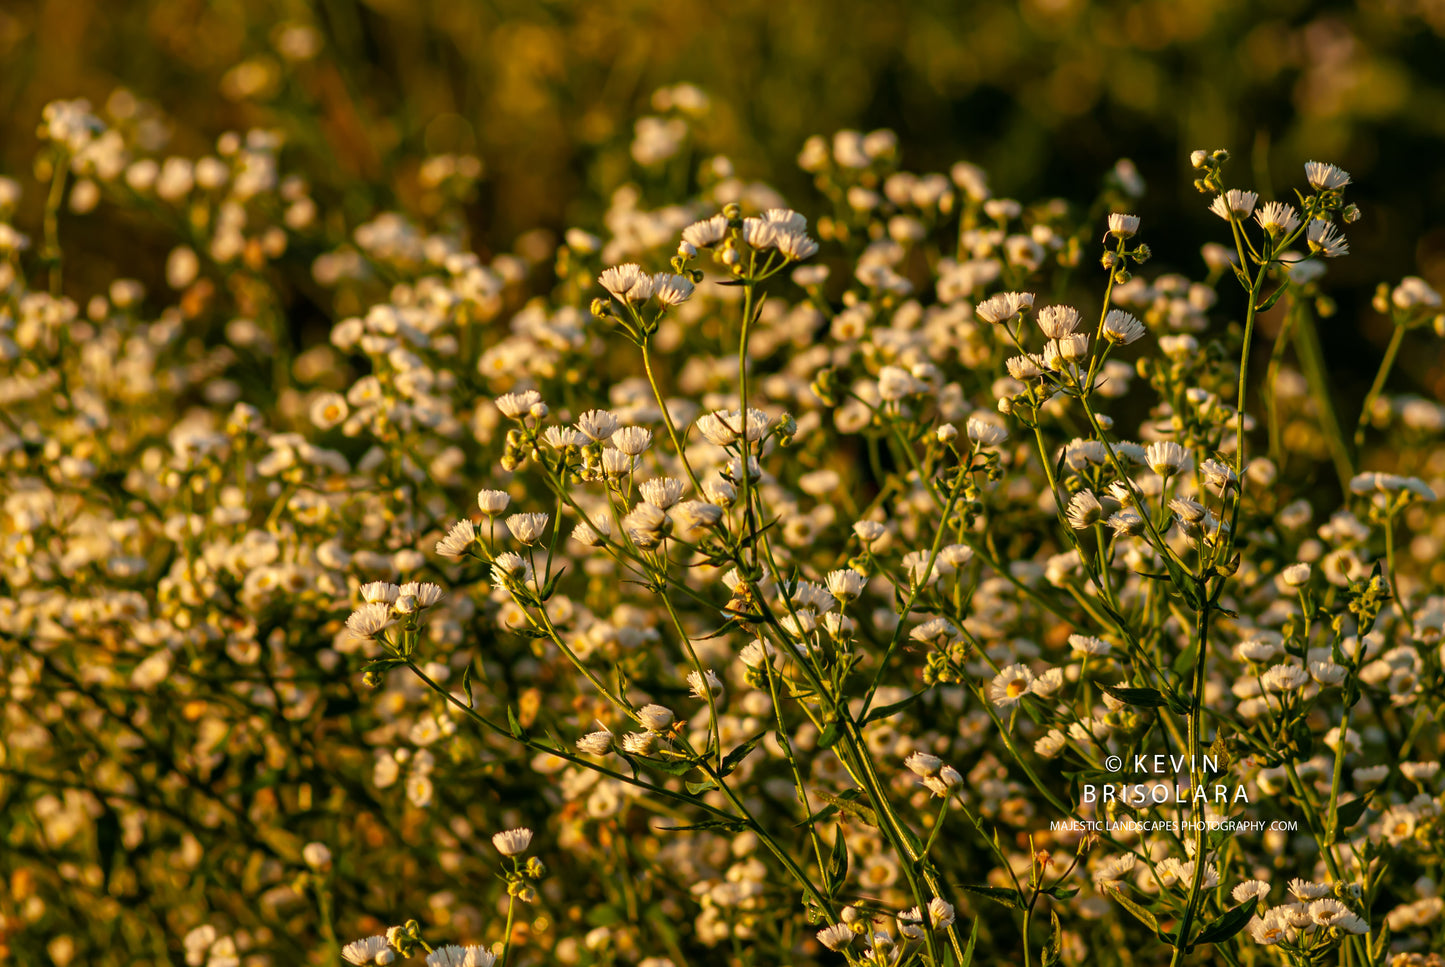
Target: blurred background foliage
1045	94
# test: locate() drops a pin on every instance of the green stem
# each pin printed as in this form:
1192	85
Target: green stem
1391	351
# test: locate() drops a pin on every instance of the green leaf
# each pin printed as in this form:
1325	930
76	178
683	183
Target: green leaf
972	940
857	810
674	767
1054	949
736	756
467	684
837	865
731	825
1128	903
383	664
698	788
1012	899
1137	697
831	735
1273	298
513	725
884	711
1228	923
1062	892
1349	813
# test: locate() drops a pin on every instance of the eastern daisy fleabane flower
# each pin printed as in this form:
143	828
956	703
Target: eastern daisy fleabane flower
1057	322
453	955
1327	240
1167	458
1284	678
1010	685
632	440
655	718
369	950
639	743
836	936
512	842
1122	328
672	290
598	425
1326	177
1234	202
370	620
458	540
986	431
528	528
707	232
1277	218
1123	226
628	283
1126	523
1084	510
511	568
695	684
1004	306
493	502
1218	475
517	405
596	743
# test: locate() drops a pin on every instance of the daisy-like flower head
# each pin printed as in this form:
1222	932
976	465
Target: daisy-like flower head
1277	218
1057	322
707	232
370	620
424	593
1284	678
986	431
493	502
632	440
1004	306
1126	523
695	683
845	585
1307	890
1250	888
513	841
1166	458
597	425
923	764
1218	475
1270	929
1327	240
796	246
1123	226
1326	177
509	568
1122	328
454	956
639	743
671	290
596	743
627	283
461	537
1084	510
369	950
528	528
1296	575
836	936
514	406
1234	201
1010	685
655	718
382	591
